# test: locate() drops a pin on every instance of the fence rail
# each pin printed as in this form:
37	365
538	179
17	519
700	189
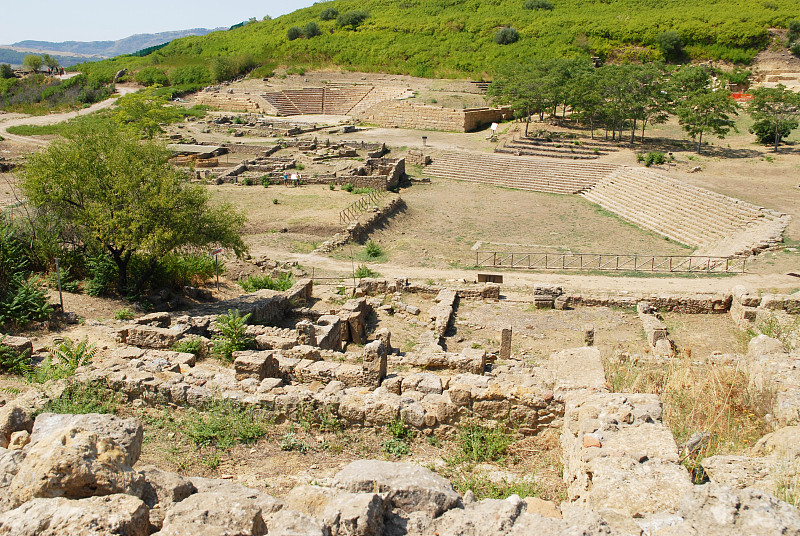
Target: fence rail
353	211
611	262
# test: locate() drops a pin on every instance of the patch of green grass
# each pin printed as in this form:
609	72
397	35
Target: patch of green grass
191	345
222	424
82	398
253	283
364	271
484	488
124	314
479	443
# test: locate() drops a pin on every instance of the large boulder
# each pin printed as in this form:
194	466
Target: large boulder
126	433
408	487
215	513
161	491
344	513
294	523
117	515
73	463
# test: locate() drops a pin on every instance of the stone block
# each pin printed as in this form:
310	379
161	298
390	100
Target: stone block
18	345
505	343
374	363
158	320
255	365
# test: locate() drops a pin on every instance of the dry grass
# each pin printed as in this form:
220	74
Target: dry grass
716	400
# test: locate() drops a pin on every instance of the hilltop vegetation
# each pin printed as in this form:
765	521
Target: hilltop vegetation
458	38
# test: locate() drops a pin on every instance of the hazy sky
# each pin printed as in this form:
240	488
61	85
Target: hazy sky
96	20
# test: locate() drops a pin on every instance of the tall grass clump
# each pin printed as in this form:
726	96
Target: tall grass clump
715	404
253	283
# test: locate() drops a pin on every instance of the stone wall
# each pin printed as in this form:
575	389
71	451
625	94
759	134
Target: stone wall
235	102
400	114
360	229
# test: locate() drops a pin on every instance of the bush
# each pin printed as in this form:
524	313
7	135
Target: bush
764	132
311	30
178	270
23	298
265	182
348	187
670	44
478	443
78	398
651	158
190	346
794	31
373	249
102	273
190	74
353	19
152	76
365	271
6	72
538	4
294	33
124	314
222	424
233	336
258	282
329	13
795	49
506	36
12	361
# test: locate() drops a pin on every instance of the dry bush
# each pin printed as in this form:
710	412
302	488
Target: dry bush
712	403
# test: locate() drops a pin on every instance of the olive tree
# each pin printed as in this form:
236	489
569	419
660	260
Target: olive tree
32	62
115	194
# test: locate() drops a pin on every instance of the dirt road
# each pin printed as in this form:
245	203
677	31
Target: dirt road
12	120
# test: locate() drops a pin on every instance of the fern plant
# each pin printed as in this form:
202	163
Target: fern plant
233	336
12	361
70	355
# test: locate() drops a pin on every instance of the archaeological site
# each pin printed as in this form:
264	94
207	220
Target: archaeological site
291	278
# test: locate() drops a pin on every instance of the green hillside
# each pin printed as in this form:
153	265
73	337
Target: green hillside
456	38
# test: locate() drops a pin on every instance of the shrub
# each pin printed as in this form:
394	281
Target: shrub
538	4
329	13
124	314
670	44
258	282
764	132
152	76
12	361
294	33
248	181
478	443
373	249
795	49
78	398
190	345
506	36
364	271
102	275
23	298
353	19
794	31
265	182
222	424
178	270
6	72
275	201
348	187
651	158
233	335
190	74
331	186
68	356
311	30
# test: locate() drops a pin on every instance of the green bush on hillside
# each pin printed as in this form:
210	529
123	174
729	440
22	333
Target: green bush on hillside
538	4
190	74
506	36
352	19
294	33
329	13
311	30
671	45
151	76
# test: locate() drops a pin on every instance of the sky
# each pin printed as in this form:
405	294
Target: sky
96	20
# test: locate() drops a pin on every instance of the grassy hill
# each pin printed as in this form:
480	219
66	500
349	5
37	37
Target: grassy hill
455	38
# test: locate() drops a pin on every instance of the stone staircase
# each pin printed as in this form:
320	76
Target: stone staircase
340	99
334	99
521	172
717	224
556	148
282	103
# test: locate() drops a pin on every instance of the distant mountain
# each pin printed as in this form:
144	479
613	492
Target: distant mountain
107	49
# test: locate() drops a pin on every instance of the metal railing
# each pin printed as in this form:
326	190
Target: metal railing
353	211
611	262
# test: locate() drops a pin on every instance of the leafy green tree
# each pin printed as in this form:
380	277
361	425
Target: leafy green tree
50	61
32	62
515	86
143	114
222	69
112	193
329	13
352	19
707	111
311	30
294	33
6	72
671	45
775	112
506	36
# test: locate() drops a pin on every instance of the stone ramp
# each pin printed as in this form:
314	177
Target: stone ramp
520	172
717	224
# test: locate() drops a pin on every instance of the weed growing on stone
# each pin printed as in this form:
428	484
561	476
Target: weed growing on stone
80	398
398	444
479	443
233	337
373	249
190	345
222	424
485	488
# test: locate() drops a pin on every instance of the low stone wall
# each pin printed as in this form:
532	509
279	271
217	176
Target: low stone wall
400	114
360	229
373	287
235	102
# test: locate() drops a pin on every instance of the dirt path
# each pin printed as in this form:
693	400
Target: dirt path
13	120
571	282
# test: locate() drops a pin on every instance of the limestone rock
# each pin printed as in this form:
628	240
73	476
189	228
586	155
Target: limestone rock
489	517
13	418
162	490
117	515
19	440
784	442
294	523
739	471
535	505
75	464
764	346
346	514
215	513
408	487
127	433
19	345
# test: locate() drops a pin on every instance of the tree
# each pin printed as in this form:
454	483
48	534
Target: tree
311	30
32	62
50	61
775	112
6	71
143	114
671	45
329	13
515	85
294	33
506	36
353	19
707	111
120	197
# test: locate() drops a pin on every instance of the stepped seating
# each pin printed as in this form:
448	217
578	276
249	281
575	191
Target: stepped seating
524	173
340	99
682	212
379	95
281	103
308	100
